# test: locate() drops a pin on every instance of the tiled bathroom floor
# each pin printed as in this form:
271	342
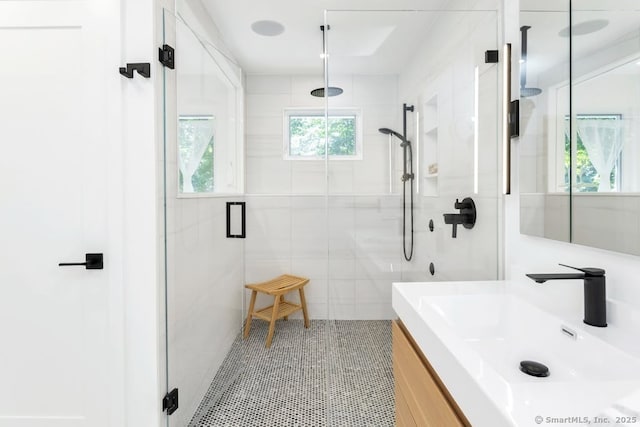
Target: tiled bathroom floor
287	384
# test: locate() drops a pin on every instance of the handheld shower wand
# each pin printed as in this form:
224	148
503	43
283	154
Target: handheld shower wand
407	175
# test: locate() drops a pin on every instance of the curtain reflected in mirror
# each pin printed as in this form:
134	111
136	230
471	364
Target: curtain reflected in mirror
599	146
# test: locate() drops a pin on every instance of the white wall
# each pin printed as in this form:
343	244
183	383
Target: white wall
143	318
525	254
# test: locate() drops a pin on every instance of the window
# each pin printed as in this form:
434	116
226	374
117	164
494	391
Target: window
598	152
305	134
195	154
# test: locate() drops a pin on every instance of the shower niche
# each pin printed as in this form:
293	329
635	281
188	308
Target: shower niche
428	157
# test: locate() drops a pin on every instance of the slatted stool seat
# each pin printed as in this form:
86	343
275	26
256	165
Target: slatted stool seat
277	288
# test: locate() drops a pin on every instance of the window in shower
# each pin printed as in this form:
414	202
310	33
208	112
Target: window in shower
195	154
305	130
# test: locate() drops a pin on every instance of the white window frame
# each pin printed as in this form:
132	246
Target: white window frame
320	112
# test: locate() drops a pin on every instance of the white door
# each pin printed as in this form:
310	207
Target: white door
54	336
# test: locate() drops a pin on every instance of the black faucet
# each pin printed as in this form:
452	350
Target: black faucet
466	217
595	296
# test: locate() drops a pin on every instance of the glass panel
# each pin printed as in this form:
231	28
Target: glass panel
287	235
208	101
429	107
336	219
545	129
204	270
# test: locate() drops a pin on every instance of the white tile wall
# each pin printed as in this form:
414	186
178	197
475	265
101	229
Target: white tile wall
607	222
446	74
292	226
205	275
360	241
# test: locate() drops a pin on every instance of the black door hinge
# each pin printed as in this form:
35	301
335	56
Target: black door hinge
491	57
170	402
166	55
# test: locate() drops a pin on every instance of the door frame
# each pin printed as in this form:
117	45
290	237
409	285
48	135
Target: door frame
136	270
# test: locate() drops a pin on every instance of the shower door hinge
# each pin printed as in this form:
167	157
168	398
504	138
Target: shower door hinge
170	402
491	57
166	56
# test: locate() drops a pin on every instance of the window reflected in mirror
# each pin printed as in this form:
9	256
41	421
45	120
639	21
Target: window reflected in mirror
598	153
195	154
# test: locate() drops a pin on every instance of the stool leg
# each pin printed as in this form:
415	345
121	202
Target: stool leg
303	302
247	325
281	301
274	316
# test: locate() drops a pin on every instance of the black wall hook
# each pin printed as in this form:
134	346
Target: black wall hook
143	68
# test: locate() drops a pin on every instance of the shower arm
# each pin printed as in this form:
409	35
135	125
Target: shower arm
523	56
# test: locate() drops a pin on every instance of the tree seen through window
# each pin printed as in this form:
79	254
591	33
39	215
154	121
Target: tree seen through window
307	135
586	177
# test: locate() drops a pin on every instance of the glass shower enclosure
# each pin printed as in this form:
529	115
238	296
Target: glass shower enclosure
319	191
425	110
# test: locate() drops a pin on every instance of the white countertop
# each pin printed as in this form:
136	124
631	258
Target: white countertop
476	333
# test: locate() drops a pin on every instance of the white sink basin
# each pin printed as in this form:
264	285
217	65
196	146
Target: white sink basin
504	330
476	333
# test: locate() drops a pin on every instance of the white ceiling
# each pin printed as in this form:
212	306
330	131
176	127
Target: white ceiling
549	52
376	37
372	42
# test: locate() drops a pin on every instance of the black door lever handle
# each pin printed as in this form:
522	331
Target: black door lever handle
92	262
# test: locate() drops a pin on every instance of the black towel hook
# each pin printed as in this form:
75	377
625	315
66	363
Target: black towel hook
143	68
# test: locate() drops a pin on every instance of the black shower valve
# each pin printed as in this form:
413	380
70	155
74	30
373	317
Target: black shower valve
466	217
466	203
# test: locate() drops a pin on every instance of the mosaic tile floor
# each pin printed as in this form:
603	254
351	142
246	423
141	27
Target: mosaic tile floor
287	384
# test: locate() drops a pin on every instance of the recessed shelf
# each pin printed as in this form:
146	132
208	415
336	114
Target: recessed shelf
429	148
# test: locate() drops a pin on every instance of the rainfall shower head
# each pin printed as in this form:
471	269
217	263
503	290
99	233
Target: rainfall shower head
331	90
526	92
388	131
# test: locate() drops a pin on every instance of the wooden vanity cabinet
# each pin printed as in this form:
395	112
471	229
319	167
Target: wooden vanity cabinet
422	400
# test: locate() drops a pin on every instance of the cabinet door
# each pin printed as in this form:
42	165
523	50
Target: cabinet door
425	400
403	413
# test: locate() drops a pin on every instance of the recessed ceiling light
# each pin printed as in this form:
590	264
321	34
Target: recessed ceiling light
267	28
586	27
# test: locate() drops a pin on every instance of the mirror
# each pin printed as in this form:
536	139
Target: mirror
580	153
544	109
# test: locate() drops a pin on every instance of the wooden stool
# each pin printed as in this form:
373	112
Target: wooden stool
280	308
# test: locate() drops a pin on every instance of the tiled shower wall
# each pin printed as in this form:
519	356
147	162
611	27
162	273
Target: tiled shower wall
338	225
338	222
439	81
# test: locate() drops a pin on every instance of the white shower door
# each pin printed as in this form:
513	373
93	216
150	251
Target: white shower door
54	145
